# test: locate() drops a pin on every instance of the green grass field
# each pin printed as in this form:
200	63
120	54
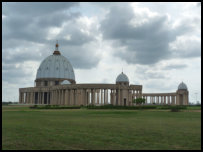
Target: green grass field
25	128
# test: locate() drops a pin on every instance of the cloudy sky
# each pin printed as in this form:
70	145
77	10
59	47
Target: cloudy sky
158	45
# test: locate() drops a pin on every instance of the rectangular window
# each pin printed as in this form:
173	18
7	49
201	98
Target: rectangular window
56	82
45	83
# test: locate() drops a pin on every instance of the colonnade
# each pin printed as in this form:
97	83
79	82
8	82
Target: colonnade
97	94
84	96
163	99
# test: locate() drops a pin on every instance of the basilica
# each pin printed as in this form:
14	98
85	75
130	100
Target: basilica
55	84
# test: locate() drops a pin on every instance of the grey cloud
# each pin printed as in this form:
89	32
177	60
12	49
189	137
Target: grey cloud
13	74
175	66
20	57
152	75
158	85
33	29
29	24
18	51
31	21
147	72
35	8
145	44
80	57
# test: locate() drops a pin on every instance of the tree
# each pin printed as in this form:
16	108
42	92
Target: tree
139	101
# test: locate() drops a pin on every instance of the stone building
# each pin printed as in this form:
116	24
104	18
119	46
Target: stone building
55	84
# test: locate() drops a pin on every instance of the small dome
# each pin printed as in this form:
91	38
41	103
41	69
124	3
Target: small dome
122	78
182	86
65	82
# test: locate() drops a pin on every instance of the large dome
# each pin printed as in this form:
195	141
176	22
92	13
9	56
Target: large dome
182	86
56	66
122	78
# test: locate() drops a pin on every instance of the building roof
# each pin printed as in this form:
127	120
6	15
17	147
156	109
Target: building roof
182	86
55	66
122	78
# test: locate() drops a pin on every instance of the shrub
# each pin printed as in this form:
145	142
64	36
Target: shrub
139	101
175	108
54	107
110	106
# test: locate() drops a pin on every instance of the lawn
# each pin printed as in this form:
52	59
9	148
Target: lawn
25	128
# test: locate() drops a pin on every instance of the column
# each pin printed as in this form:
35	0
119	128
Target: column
93	96
25	98
175	100
51	92
183	99
102	97
158	99
161	100
85	97
169	100
19	97
61	97
140	93
164	100
31	97
88	97
39	96
172	98
114	97
111	96
27	95
119	96
98	93
22	97
65	97
42	97
57	97
54	97
72	97
68	97
107	96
